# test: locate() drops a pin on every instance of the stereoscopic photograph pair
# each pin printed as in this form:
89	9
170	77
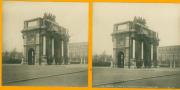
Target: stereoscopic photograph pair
134	45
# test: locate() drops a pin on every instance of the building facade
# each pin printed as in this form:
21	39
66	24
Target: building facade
78	52
169	56
45	41
134	45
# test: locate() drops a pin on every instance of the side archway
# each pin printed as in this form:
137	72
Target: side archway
120	61
31	56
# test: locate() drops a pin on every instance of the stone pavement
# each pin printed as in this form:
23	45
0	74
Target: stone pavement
12	73
171	81
105	75
68	80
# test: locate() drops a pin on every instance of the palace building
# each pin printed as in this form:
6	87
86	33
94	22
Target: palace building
169	56
134	44
78	53
45	41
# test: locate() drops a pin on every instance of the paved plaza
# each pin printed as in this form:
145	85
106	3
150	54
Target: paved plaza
45	75
145	78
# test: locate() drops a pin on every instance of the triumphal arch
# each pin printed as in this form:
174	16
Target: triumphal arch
134	44
45	41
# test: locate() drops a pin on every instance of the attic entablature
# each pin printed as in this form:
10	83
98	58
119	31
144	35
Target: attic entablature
137	26
45	23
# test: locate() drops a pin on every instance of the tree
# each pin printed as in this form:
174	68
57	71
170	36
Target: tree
12	57
13	54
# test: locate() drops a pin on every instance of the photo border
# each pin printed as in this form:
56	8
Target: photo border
90	35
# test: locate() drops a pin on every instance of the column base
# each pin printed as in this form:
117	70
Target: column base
132	63
24	61
44	60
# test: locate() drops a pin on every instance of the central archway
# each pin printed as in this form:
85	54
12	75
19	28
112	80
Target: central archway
120	58
31	57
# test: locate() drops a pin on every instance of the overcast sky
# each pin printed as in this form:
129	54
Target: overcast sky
161	18
73	16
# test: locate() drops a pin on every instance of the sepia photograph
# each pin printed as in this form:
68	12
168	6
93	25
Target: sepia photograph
136	45
45	44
